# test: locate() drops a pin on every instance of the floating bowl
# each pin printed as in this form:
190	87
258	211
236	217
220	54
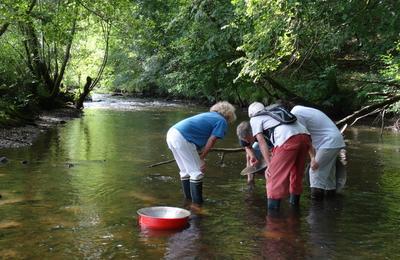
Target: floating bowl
163	217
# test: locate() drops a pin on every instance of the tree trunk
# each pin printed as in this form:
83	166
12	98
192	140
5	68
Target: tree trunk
84	94
90	83
58	76
33	50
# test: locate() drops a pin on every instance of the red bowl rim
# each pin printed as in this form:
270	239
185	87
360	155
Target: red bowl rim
147	216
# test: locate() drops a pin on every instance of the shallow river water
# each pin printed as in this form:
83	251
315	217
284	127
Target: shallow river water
78	193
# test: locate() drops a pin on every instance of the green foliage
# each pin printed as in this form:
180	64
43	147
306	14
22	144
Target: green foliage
391	60
205	49
16	104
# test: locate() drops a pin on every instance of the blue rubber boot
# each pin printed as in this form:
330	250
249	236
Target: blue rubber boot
196	190
273	204
186	189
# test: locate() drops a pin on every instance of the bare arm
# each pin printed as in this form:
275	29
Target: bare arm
251	158
263	147
313	163
210	143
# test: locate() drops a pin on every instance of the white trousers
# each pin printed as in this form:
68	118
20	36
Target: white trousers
325	176
186	156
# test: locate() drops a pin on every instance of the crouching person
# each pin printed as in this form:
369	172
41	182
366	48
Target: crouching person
253	153
286	165
191	139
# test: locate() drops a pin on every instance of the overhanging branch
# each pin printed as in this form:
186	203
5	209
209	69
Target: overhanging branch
368	109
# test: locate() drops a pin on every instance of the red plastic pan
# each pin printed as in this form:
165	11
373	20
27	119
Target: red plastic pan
163	217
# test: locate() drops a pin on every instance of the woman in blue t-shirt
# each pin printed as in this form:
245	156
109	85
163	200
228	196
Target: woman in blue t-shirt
198	133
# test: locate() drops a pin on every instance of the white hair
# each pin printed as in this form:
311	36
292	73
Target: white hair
226	109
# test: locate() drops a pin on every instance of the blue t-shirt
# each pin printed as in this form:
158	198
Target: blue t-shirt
197	129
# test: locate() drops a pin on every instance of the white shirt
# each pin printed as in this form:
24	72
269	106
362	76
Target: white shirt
324	133
281	133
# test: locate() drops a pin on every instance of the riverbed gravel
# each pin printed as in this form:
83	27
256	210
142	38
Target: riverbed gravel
16	137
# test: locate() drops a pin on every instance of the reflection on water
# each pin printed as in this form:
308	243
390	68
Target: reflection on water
78	196
324	221
282	236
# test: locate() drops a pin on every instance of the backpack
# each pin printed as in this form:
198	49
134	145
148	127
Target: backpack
280	114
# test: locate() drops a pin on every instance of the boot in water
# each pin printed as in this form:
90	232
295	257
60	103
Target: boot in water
186	189
317	194
330	193
294	200
273	204
196	191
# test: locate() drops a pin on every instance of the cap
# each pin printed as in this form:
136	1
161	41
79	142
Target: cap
254	108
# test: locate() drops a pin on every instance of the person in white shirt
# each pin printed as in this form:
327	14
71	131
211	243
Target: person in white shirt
327	141
286	165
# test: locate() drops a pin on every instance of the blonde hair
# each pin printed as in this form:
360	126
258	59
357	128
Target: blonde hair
226	109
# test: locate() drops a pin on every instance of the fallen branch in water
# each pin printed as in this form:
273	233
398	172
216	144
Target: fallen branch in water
368	109
161	163
227	150
369	114
223	150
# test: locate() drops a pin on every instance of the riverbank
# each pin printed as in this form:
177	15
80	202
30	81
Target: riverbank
16	137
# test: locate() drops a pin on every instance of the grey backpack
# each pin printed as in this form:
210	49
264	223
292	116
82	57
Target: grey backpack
279	113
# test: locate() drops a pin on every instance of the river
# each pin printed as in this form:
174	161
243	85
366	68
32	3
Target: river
74	194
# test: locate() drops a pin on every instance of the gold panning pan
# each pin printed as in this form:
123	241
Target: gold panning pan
261	166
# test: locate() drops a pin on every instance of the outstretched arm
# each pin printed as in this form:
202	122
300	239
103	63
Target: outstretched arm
210	143
263	147
313	163
251	158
